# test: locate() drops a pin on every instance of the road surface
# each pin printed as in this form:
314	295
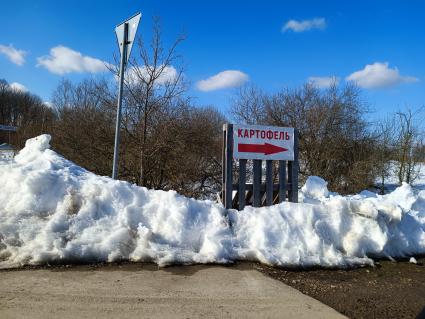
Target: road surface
146	291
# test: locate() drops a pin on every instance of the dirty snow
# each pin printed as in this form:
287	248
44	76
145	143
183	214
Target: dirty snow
52	210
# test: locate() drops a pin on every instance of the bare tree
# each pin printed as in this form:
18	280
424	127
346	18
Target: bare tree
408	139
167	143
83	130
384	150
249	104
188	159
154	84
334	139
25	111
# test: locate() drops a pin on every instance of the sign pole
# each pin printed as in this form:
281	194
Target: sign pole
120	90
227	163
126	33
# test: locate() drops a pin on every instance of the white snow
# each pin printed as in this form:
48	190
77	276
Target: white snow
315	187
52	210
413	260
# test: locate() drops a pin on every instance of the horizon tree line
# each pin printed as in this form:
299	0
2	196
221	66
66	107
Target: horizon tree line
170	143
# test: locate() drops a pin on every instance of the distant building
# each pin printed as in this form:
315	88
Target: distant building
7	151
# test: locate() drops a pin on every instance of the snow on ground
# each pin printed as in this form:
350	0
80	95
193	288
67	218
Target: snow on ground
391	182
52	210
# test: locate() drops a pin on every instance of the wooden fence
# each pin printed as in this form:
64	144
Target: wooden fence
257	193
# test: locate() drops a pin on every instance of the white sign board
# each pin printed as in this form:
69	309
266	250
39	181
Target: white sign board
133	23
263	142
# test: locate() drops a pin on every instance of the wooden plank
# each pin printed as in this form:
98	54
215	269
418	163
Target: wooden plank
242	183
257	183
282	181
296	167
269	183
223	165
228	171
293	171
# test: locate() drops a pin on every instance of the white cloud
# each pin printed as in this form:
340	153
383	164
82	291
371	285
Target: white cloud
323	81
63	60
14	55
48	104
222	80
18	87
379	75
134	74
305	25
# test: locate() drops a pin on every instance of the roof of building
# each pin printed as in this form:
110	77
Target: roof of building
6	147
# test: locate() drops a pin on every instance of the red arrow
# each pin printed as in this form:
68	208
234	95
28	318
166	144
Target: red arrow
265	148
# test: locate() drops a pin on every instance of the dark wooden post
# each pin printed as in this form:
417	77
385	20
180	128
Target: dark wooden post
223	165
256	187
242	183
269	183
293	171
227	165
282	181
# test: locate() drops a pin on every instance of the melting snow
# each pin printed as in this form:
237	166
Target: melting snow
52	210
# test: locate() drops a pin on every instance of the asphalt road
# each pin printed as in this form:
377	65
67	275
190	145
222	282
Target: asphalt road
144	291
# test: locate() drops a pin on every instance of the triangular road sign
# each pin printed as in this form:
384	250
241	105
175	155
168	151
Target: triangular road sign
133	23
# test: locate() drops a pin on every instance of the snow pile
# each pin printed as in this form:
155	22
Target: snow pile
52	210
315	187
339	231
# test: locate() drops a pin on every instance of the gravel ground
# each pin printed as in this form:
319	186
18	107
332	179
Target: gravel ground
388	290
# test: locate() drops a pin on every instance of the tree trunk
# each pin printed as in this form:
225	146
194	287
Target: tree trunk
142	181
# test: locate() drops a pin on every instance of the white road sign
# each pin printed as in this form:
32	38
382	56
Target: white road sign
133	23
125	32
263	142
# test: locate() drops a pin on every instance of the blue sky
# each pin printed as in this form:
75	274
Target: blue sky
379	44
